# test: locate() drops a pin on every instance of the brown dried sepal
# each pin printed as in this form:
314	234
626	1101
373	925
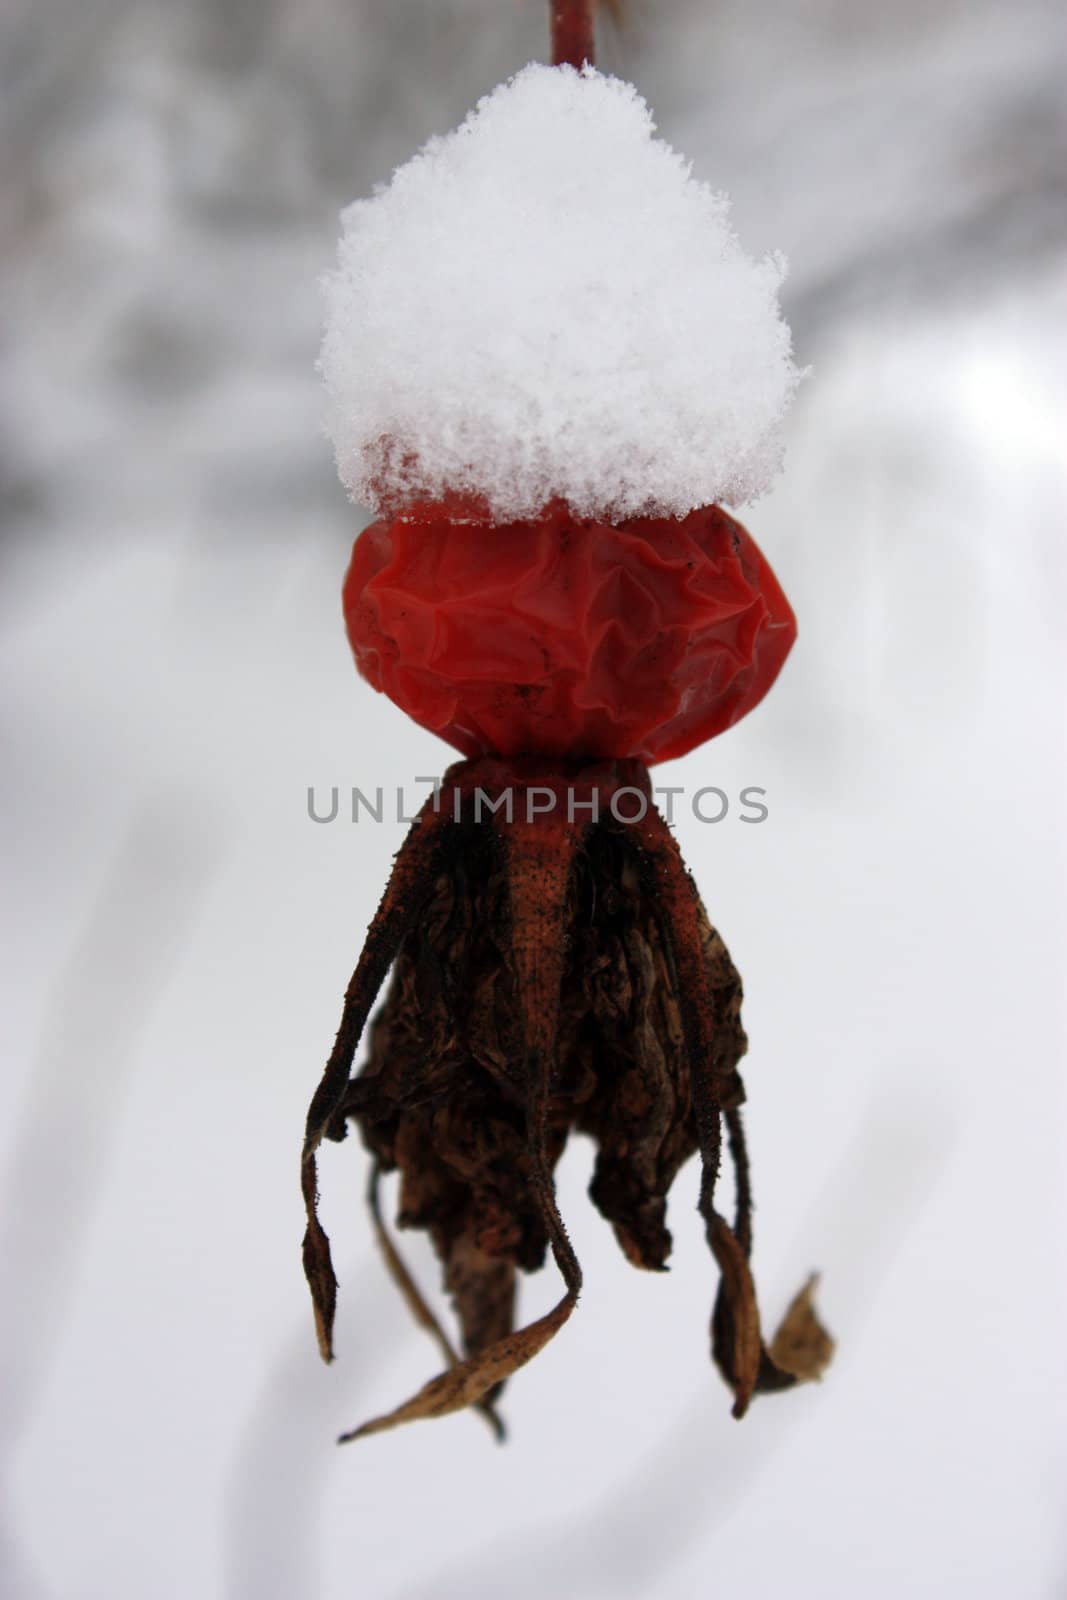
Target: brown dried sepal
549	977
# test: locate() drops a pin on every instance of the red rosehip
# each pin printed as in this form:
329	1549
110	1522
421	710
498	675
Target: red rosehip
565	636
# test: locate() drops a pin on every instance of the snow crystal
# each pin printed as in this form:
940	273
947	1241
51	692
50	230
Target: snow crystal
545	302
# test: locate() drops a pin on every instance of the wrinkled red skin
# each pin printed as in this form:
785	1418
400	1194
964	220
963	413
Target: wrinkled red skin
563	636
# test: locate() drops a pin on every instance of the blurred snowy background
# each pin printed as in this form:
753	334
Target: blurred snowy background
179	934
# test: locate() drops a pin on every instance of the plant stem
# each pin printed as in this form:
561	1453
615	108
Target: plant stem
572	32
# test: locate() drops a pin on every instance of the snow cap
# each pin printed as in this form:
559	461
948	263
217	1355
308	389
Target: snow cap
545	303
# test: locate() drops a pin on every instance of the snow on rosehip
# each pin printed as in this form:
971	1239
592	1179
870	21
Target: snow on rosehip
547	303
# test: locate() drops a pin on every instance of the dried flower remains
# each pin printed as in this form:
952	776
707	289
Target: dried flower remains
550	976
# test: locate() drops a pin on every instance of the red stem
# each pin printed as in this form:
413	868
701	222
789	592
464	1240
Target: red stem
572	32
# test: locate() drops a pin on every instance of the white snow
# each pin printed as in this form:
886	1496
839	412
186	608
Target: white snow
545	302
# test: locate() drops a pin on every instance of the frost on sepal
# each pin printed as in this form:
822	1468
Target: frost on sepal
545	303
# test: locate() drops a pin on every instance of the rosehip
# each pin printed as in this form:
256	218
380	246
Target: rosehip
565	636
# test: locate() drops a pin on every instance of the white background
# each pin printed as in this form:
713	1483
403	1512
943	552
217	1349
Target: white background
178	934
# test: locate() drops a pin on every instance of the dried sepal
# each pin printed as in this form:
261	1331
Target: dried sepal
407	887
413	1298
710	994
551	977
802	1345
539	862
